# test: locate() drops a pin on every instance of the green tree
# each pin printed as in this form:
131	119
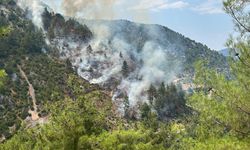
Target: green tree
69	121
162	90
223	101
169	101
4	31
126	107
145	111
152	93
125	69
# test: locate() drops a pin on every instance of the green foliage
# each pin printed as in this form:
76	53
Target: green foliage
145	111
152	93
168	101
57	26
3	76
214	59
222	102
7	2
211	143
125	140
126	107
4	31
238	10
68	122
22	45
80	115
79	125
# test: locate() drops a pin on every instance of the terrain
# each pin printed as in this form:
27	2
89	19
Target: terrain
127	57
65	47
68	83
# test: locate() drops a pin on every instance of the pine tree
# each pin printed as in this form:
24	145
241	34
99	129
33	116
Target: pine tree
162	90
224	102
121	56
152	93
126	107
125	69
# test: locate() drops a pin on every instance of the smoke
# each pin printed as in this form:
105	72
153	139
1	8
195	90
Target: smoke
157	67
150	57
151	63
104	9
35	9
90	9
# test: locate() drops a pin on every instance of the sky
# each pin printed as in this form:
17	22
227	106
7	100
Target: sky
201	20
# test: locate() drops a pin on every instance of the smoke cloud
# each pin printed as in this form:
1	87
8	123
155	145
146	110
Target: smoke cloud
90	9
35	8
151	58
150	63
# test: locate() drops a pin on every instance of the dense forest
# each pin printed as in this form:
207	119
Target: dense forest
73	114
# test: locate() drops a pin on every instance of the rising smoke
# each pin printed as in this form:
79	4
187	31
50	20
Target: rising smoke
150	63
91	9
101	60
35	8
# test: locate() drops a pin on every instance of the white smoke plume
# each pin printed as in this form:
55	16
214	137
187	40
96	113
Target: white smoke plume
150	59
152	64
91	9
35	8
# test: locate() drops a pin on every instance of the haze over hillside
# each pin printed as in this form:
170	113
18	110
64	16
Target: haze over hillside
148	54
77	84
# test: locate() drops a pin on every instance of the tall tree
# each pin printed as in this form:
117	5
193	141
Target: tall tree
224	101
125	69
152	93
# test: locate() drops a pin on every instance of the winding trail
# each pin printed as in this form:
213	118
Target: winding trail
34	113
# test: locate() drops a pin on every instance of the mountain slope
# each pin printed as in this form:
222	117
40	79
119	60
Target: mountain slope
121	56
152	54
126	57
44	104
137	35
53	79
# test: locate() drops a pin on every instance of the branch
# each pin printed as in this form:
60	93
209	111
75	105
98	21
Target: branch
229	127
242	61
237	20
242	110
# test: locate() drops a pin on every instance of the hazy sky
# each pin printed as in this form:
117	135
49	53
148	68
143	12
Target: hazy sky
200	20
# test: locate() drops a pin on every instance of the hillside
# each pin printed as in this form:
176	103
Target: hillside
98	56
51	78
76	84
126	57
184	49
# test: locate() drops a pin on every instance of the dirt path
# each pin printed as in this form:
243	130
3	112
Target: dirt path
34	113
